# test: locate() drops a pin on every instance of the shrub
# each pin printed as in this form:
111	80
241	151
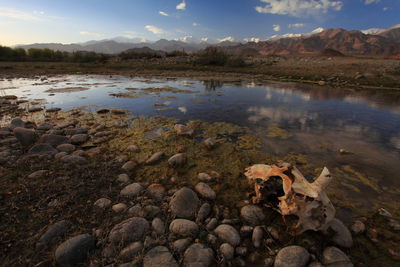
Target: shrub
212	56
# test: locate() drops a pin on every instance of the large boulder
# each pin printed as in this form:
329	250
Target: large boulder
184	203
130	230
74	250
292	256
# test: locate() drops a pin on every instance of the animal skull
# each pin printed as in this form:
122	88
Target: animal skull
286	190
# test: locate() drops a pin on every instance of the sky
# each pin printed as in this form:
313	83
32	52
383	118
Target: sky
76	21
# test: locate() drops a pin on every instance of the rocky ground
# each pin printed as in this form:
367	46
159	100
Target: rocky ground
106	189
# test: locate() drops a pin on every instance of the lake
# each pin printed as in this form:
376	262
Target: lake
355	133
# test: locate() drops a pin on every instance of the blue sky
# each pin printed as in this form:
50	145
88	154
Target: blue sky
38	21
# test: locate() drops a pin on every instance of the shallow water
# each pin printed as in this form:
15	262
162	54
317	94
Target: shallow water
315	122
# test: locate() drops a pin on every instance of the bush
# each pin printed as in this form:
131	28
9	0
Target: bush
176	53
216	57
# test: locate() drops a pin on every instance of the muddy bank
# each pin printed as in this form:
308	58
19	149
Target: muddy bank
90	178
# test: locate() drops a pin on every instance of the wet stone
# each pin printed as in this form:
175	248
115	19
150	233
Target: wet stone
74	250
342	236
132	190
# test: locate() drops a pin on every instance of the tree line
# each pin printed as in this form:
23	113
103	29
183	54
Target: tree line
45	54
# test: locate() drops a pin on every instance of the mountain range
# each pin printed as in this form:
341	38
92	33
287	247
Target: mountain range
371	42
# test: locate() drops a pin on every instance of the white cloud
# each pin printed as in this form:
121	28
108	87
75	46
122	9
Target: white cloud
298	8
385	9
92	34
13	13
296	25
155	30
227	39
163	13
195	24
181	6
317	30
252	39
368	2
276	27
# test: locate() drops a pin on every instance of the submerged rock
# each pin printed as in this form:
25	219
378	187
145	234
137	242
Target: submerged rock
74	250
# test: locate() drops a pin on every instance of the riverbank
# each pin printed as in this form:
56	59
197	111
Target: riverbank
337	72
89	177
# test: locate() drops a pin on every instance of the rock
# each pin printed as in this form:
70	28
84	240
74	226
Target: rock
181	244
358	227
53	139
132	190
159	257
292	256
273	232
129	166
177	160
17	122
75	131
38	174
209	143
51	110
212	239
123	178
269	262
133	148
333	256
74	160
149	242
184	228
183	130
158	226
227	251
342	236
66	124
42	149
103	111
228	234
130	230
78	139
239	262
204	177
26	137
155	158
257	236
60	155
212	224
315	264
252	214
184	203
44	126
151	211
198	255
205	191
156	191
74	250
246	230
102	203
241	251
203	213
120	207
103	134
136	211
129	252
35	109
53	233
68	148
